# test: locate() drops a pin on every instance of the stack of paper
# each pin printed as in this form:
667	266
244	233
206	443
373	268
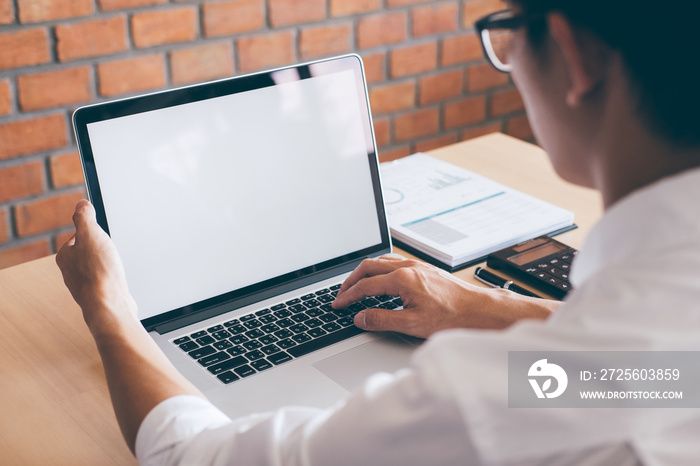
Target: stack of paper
458	217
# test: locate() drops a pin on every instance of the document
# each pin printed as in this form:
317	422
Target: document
457	216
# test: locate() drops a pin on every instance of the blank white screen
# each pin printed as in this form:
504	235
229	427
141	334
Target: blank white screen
212	196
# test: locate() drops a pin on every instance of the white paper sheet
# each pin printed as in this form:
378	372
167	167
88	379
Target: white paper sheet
456	215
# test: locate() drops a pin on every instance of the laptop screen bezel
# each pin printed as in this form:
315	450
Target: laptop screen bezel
84	116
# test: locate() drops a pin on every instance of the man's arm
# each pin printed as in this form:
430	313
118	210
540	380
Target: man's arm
418	414
139	375
433	299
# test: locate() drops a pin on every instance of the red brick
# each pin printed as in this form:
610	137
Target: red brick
506	102
381	29
381	131
4	235
7	14
91	38
471	133
476	9
33	135
416	124
413	60
483	77
5	98
21	181
47	214
325	40
163	27
374	67
24	253
234	17
441	86
66	170
265	51
119	4
392	97
131	75
395	153
201	63
435	19
62	238
23	48
34	11
519	127
435	143
286	12
54	88
460	49
395	3
464	112
352	7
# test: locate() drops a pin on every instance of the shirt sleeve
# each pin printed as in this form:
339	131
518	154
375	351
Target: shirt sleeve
395	418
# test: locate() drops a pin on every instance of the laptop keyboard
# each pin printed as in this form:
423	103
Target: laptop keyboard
266	338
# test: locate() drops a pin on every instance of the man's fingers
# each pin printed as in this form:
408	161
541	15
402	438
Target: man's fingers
383	320
369	286
370	267
70	242
393	257
367	268
83	218
84	212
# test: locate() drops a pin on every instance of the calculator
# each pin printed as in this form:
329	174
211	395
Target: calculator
543	262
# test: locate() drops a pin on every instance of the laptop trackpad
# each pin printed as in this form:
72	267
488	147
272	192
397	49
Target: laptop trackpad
351	368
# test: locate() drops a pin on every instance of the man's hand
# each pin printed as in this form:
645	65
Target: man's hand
433	299
93	272
138	373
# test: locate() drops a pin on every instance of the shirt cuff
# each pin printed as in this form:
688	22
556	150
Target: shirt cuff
174	420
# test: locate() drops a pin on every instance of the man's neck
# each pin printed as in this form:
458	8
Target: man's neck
625	154
637	160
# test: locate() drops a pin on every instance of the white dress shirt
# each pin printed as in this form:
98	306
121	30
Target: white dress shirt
637	287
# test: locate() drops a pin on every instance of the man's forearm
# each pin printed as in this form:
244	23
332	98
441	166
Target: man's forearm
139	375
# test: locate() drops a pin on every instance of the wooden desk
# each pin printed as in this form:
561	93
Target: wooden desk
53	395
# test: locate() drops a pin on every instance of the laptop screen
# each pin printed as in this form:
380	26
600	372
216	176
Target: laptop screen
218	194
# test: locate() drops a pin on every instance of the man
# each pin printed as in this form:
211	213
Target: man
597	82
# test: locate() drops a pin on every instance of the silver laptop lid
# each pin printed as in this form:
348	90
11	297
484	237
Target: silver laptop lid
224	193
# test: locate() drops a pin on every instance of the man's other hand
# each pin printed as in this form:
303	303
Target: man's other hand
433	299
93	272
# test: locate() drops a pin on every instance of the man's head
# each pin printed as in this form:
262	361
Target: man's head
588	68
658	43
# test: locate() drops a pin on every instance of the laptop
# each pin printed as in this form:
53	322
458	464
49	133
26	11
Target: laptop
238	207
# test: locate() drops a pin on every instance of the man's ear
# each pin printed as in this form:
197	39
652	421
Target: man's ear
581	58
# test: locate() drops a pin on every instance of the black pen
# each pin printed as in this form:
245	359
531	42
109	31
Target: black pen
491	279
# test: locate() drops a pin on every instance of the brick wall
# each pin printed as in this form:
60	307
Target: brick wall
429	84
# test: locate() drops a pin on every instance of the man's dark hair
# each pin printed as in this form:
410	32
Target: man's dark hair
658	42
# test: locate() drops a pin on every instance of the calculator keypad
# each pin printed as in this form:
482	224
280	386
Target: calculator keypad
548	268
553	270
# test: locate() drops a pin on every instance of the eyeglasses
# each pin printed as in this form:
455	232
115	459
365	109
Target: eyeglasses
496	33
